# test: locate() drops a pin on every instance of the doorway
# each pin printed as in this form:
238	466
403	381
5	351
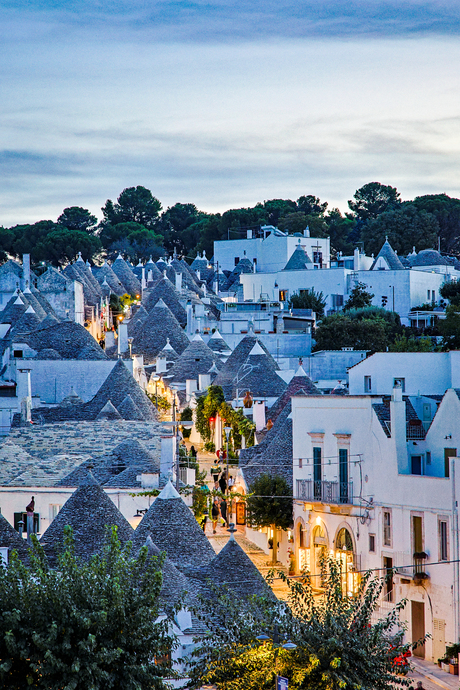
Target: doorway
418	626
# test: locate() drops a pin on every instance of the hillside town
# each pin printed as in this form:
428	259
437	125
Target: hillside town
161	397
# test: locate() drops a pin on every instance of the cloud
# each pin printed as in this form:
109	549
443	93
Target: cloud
236	20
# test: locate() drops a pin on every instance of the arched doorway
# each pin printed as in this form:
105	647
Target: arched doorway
319	555
344	553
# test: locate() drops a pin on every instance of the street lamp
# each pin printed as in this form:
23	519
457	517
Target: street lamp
227	430
156	378
275	638
175	424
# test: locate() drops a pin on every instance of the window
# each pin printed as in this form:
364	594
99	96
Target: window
283	295
400	382
318	258
54	510
372	543
23	516
300	462
443	551
416	464
367	384
317	472
387	528
417	533
428	457
18	354
428	294
388	565
237	259
343	475
448	454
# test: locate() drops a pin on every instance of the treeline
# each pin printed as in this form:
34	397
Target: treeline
137	225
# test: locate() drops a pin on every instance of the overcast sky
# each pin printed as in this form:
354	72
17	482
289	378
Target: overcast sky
225	103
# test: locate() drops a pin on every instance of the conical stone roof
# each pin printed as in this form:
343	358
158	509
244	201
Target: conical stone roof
137	320
238	357
258	376
126	276
89	511
105	273
68	338
165	290
10	539
174	529
389	255
196	359
299	382
151	336
129	410
108	412
14	309
116	387
233	569
298	260
217	344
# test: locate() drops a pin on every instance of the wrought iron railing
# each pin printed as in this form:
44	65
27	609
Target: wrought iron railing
325	491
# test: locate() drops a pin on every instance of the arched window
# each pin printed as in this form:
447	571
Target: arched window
344	554
320	553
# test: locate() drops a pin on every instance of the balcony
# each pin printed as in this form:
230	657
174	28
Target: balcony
338	493
412	566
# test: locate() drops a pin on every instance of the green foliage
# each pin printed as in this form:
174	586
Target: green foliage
200	502
371	328
338	646
270	502
311	205
134	205
48	241
446	211
186	415
342	231
84	625
451	291
373	199
411	344
208	407
405	227
449	328
359	298
309	299
77	218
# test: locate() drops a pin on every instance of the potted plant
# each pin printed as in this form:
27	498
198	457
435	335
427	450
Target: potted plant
452	652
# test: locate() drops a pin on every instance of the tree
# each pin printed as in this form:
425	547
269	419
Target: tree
134	205
177	225
311	205
270	505
86	624
338	644
405	227
370	328
77	218
6	241
341	230
446	210
451	291
309	299
48	241
450	327
411	344
359	298
373	199
298	222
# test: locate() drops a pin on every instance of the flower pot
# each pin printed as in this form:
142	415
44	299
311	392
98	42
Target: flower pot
453	669
444	666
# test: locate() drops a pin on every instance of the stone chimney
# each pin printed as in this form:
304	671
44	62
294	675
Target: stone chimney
398	427
179	282
26	270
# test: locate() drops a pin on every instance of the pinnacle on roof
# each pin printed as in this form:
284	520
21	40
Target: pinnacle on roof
298	260
174	529
88	511
18	300
256	350
169	491
390	257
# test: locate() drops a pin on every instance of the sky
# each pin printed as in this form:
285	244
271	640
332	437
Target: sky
224	104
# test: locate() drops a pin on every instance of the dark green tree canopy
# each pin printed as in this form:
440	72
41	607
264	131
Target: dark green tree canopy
451	291
48	241
359	298
371	328
342	231
311	205
446	210
373	199
134	205
77	218
309	299
83	625
270	502
405	227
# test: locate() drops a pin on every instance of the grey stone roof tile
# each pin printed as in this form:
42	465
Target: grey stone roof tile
165	290
151	335
390	256
105	273
299	382
126	276
174	529
89	511
196	359
298	260
230	368
428	257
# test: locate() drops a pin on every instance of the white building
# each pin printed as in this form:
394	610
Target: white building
376	492
418	373
271	251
